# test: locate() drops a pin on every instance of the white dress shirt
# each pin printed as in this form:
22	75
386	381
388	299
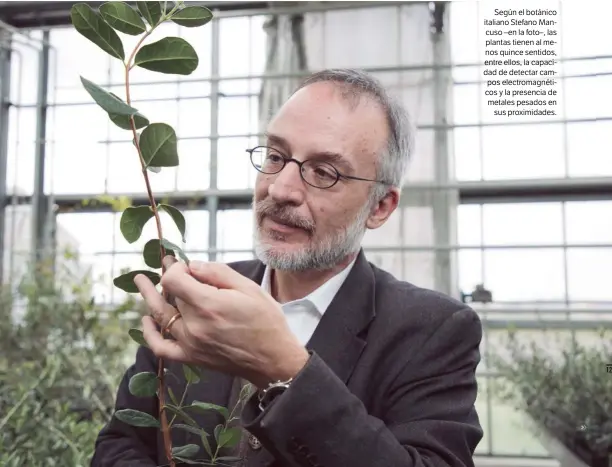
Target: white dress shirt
304	314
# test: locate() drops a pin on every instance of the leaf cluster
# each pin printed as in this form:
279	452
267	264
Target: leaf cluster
156	147
564	388
156	143
61	357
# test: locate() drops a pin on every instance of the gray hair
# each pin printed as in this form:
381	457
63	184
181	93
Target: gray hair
393	162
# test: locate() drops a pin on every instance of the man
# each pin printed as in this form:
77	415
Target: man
364	370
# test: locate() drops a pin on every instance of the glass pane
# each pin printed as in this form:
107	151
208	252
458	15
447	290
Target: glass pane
93	63
21	149
466	153
516	274
589	221
523	224
76	134
238	115
201	40
469	224
101	267
464	40
588	146
124	170
585	34
529	151
197	229
24	74
93	232
235	229
235	168
466	100
234	38
588	97
470	270
421	167
193	118
589	271
407	226
194	165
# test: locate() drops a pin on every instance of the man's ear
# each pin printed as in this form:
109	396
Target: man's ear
383	209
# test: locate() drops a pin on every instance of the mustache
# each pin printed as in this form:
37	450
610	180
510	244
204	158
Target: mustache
282	214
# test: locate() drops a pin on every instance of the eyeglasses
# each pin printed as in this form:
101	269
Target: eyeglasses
318	174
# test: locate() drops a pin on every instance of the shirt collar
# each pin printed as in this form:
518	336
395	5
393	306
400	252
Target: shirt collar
321	297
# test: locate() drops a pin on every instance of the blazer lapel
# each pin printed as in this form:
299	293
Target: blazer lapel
337	339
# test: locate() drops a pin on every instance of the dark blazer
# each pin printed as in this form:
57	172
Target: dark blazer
390	383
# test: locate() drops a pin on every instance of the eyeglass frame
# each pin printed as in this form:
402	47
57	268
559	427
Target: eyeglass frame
286	160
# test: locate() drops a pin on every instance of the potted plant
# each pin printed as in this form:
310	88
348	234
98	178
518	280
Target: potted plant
564	389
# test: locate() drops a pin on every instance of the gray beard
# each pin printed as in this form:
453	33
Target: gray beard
323	255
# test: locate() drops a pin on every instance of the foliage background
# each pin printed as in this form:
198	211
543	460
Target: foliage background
60	364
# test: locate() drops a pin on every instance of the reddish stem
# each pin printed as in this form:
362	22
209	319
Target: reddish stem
160	367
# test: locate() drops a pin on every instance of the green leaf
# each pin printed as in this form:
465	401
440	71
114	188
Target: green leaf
155	170
137	336
218	431
143	384
205	443
91	25
158	145
189	450
192	16
151	253
133	221
126	281
168	245
137	418
191	375
205	406
123	121
190	429
230	437
151	11
182	414
123	18
177	217
173	397
171	55
109	102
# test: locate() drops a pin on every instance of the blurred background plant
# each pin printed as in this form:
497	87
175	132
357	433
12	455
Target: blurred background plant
61	359
565	390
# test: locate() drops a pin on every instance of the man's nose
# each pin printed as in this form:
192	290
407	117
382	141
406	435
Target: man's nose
288	186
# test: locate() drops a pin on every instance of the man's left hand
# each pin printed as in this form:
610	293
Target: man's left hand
228	323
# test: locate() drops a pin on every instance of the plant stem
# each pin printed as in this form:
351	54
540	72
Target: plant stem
160	366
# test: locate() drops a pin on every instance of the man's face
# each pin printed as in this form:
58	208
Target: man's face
298	226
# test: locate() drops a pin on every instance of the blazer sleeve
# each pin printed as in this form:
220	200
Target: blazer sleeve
430	417
122	445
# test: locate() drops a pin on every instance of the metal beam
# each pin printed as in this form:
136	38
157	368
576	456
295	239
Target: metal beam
443	201
40	212
5	104
472	192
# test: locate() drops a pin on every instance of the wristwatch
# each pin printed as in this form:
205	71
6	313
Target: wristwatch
275	389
